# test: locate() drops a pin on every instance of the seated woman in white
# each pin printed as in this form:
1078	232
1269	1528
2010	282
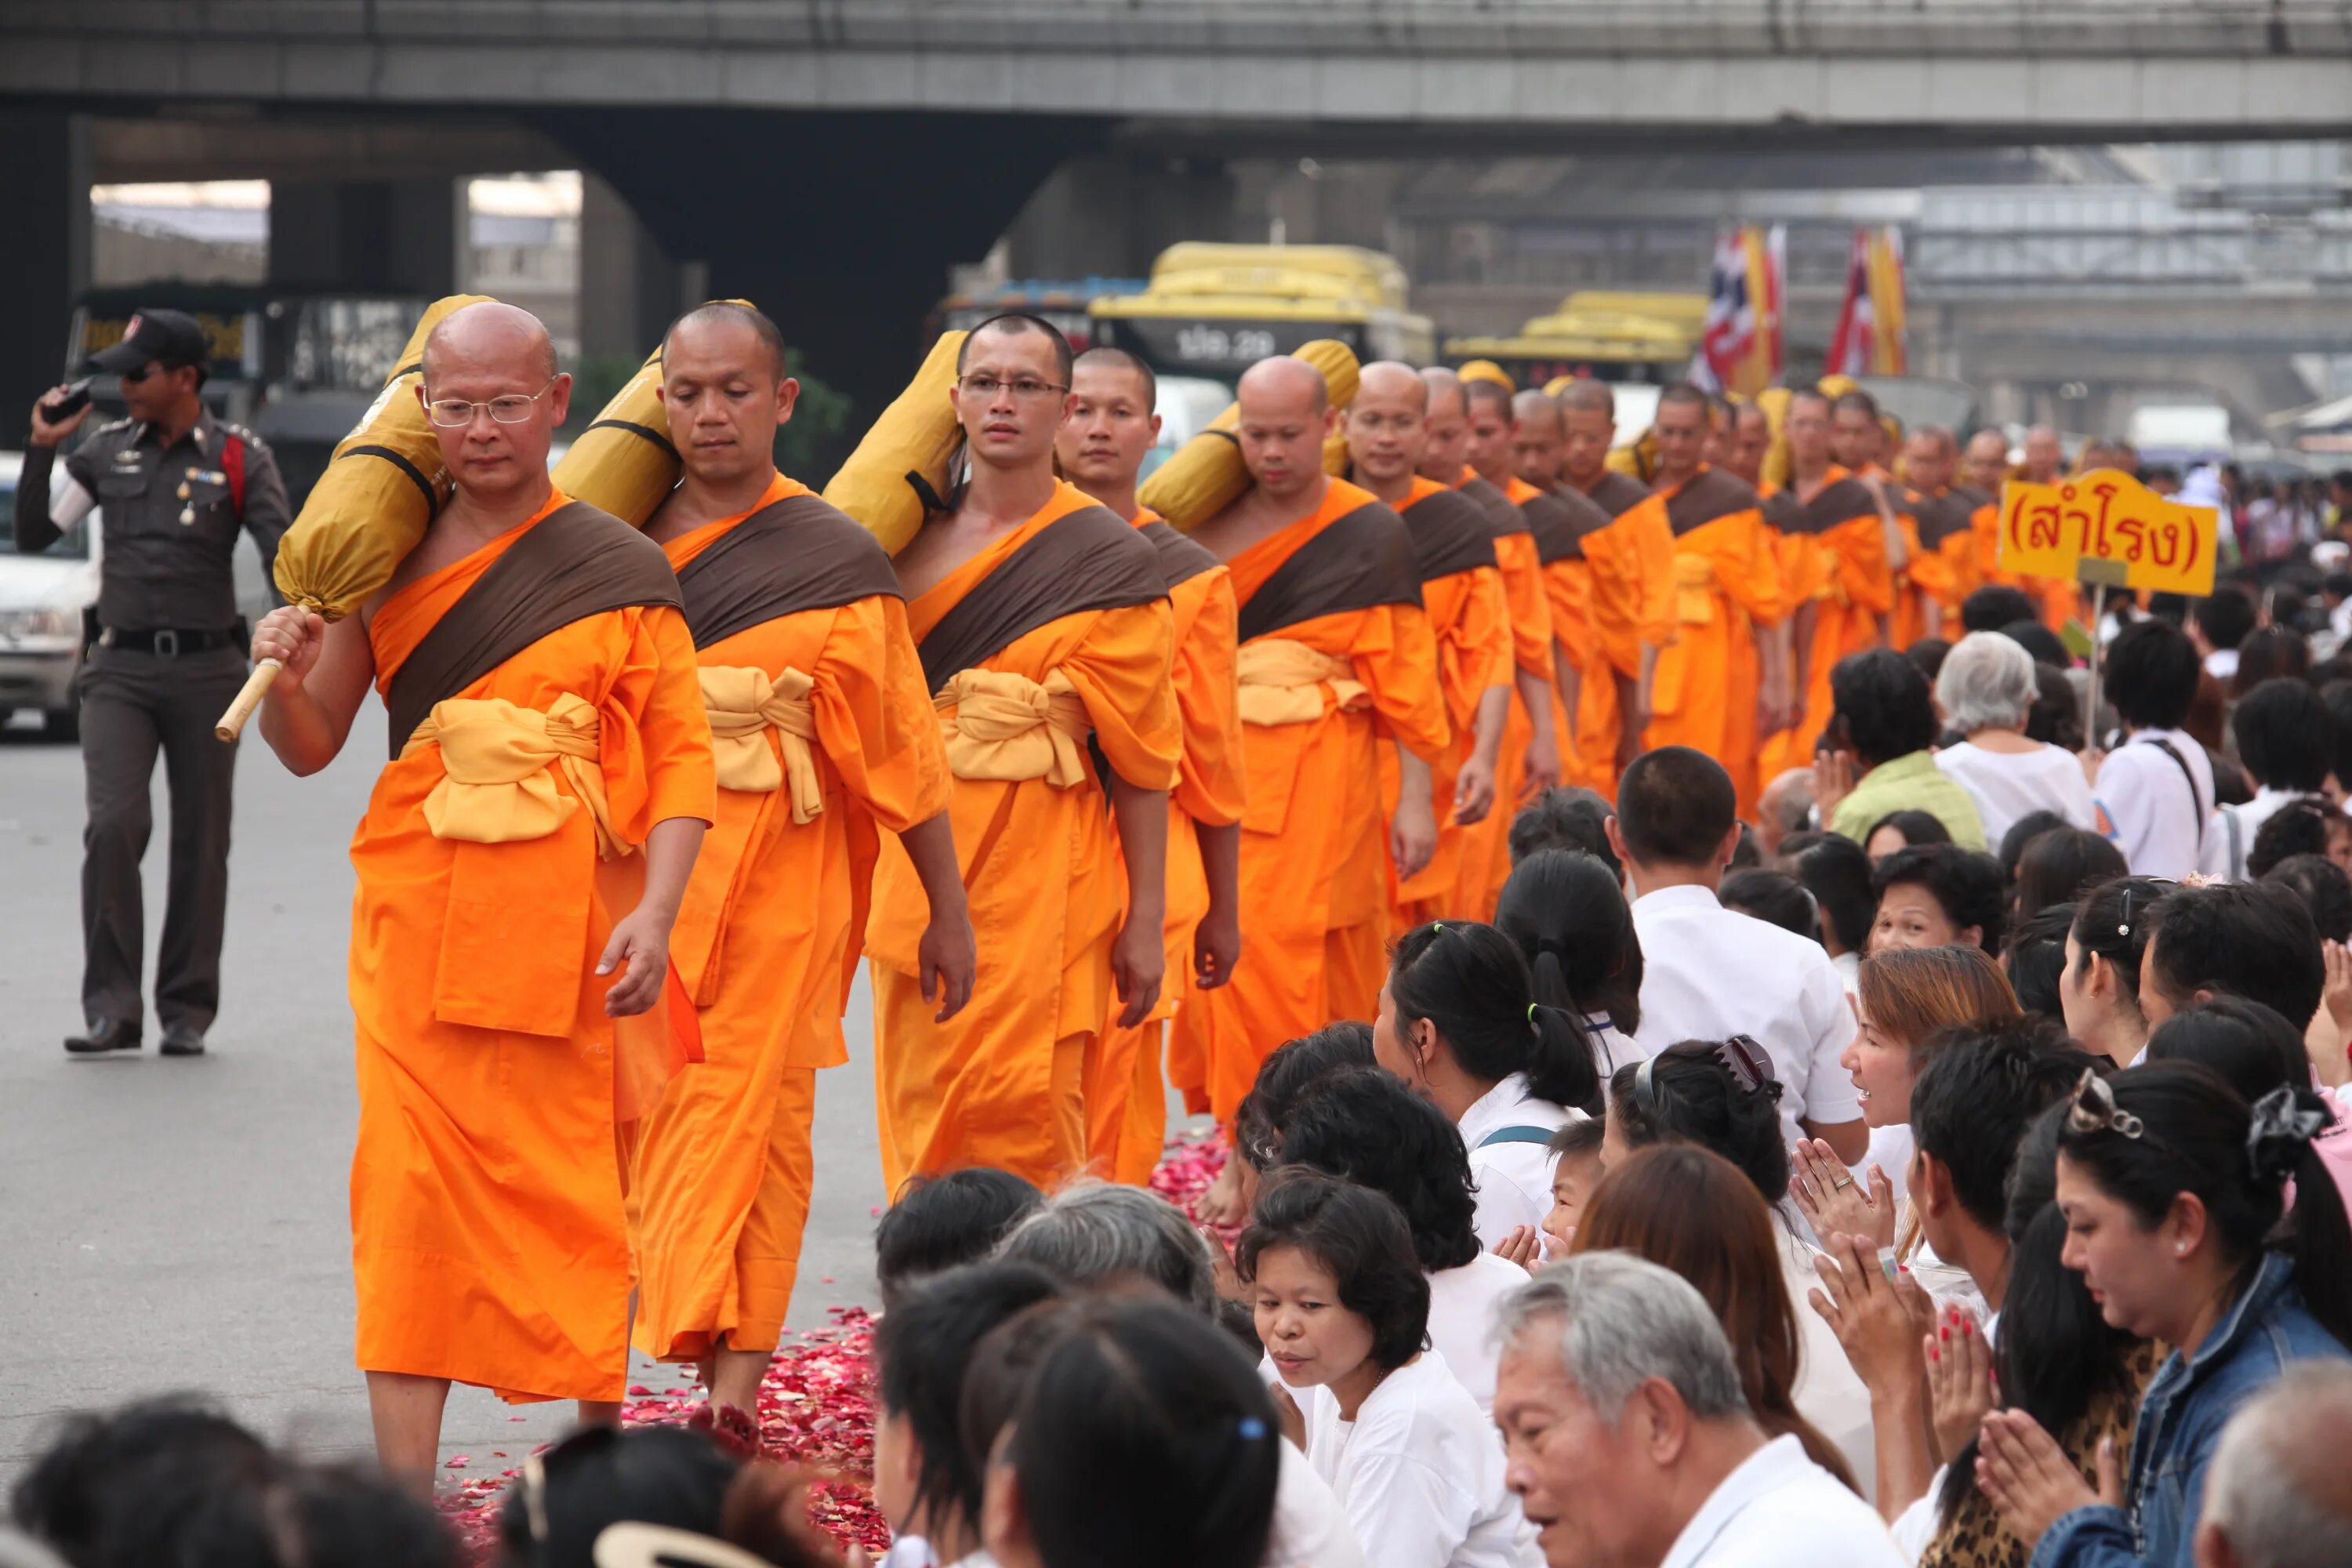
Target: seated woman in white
1342	1307
1460	1024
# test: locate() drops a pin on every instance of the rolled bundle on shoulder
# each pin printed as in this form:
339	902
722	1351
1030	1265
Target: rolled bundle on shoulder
899	473
378	494
1207	475
1335	454
1487	370
623	462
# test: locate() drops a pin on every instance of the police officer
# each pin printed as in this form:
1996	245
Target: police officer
172	484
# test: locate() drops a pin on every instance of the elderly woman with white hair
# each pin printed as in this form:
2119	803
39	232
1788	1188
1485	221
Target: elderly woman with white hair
1986	690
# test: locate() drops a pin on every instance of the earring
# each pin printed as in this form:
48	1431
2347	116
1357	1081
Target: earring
2179	1250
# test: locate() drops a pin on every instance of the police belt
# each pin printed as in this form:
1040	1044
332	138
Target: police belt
172	643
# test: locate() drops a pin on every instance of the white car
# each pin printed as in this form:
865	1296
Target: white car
41	602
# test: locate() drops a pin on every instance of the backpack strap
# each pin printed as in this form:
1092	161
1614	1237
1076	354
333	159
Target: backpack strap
1515	1135
2196	800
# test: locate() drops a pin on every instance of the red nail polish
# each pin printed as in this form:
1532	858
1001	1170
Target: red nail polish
1946	1334
1935	1354
1966	1328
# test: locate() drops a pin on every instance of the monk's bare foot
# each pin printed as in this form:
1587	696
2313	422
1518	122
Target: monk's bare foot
730	1426
1227	1201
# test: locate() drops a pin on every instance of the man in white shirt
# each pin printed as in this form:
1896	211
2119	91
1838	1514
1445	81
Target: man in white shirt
2154	792
2286	742
1709	973
1629	1442
2218	623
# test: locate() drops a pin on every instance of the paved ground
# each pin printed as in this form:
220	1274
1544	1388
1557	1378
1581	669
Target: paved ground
181	1224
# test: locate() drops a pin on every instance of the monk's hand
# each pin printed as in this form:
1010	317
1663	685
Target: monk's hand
945	959
1542	767
293	636
1137	963
1216	947
639	950
1474	791
1412	836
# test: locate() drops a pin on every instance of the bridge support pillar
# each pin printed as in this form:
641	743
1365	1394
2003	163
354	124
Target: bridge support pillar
45	191
630	288
1109	216
396	236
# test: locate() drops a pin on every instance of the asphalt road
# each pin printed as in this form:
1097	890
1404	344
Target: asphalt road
182	1225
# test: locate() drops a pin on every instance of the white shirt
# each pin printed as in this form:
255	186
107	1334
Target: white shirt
1779	1509
2221	663
2216	859
1611	1050
1419	1472
1462	1319
1828	1391
1849	971
2007	785
2145	804
1891	1148
1514	1179
1311	1529
1708	973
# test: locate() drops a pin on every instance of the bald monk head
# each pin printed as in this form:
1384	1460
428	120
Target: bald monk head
1286	411
1719	428
1750	438
499	360
1491	425
1681	425
1111	426
1986	461
1447	424
1588	416
1856	436
726	392
1386	424
2043	455
1538	439
1930	458
1012	390
1808	429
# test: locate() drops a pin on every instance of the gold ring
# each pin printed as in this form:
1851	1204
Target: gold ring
1841	1184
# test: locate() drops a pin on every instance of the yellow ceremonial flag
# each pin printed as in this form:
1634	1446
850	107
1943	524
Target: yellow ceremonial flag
2107	526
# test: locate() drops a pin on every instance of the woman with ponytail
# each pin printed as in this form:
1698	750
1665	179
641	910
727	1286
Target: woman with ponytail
1566	912
1459	1023
2175	1196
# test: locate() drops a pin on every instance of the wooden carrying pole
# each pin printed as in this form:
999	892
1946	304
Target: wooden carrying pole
256	687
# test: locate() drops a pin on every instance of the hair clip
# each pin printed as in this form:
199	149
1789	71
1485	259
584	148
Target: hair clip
1251	1428
2094	1109
1745	1060
1531	1010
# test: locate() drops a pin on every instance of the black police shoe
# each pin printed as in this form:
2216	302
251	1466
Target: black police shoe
183	1040
112	1035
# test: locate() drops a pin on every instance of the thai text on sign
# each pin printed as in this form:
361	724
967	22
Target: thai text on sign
2107	517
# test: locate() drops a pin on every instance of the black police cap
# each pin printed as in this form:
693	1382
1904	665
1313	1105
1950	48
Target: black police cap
168	338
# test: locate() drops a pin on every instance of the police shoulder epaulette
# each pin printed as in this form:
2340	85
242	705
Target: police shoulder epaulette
124	423
245	433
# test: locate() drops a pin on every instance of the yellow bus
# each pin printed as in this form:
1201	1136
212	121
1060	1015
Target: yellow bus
1213	310
1624	336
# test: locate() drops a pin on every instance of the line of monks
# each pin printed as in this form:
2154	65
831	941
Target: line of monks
652	794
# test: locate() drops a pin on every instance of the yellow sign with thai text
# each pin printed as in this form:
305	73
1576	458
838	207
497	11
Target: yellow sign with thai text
2107	526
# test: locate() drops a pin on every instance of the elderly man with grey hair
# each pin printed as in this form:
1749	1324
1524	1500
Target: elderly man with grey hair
1631	1445
1986	690
1092	1233
2278	1495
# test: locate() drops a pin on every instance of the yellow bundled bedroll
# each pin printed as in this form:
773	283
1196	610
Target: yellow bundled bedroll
899	473
1206	475
368	509
623	462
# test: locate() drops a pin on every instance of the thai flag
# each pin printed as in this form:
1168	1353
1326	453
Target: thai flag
1852	344
1728	334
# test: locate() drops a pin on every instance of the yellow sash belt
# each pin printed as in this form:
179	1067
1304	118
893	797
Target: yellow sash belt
500	760
744	704
1693	589
1006	727
1282	682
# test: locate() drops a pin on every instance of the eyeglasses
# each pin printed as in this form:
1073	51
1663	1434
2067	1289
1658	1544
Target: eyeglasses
2094	1109
1023	389
456	413
154	369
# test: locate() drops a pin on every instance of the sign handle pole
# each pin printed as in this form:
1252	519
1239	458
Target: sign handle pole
2099	619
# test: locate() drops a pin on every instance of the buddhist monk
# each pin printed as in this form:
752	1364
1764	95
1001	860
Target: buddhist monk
1533	756
1470	619
1102	445
2044	464
1839	545
1984	470
1858	441
1043	620
1629	572
824	734
520	865
1721	683
1744	449
1945	568
1336	660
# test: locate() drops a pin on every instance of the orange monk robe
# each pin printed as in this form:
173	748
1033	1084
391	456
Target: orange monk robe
1906	623
1567	587
1000	1084
1727	583
1126	1120
1944	566
1462	593
488	1244
1833	556
765	940
1518	556
1628	590
1335	662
